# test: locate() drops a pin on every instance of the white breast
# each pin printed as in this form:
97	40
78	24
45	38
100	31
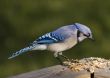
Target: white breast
59	47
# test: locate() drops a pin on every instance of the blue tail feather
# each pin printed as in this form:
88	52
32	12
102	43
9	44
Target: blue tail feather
21	51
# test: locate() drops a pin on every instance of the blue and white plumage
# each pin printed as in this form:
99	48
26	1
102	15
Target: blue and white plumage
59	40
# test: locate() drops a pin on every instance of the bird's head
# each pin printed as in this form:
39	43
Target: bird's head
83	32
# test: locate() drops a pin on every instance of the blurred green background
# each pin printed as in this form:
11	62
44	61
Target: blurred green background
22	21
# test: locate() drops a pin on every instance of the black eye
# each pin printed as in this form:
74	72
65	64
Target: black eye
84	34
89	34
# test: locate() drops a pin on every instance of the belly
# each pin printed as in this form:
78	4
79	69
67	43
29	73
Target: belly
59	47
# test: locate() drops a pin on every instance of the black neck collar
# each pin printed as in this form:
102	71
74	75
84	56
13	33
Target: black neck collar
78	35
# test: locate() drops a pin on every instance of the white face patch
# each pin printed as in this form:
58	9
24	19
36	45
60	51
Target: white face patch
81	37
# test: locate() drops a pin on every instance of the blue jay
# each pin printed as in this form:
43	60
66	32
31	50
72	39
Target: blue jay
59	40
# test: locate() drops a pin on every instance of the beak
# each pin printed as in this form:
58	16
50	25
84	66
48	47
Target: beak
91	38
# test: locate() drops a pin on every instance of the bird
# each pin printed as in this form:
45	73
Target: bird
59	40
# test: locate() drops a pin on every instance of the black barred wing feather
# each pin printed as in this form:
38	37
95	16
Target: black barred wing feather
48	38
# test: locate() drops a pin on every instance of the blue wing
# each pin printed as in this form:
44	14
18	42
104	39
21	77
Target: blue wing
49	38
46	39
56	36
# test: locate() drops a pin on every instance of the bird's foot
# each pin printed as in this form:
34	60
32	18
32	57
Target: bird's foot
66	58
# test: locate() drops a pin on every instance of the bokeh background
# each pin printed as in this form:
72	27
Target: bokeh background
22	21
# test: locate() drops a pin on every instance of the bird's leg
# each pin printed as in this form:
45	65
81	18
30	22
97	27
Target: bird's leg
56	55
60	53
65	57
59	60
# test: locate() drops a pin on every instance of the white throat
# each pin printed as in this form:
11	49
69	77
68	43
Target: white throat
81	38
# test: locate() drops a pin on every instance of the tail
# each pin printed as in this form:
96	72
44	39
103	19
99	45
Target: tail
21	51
